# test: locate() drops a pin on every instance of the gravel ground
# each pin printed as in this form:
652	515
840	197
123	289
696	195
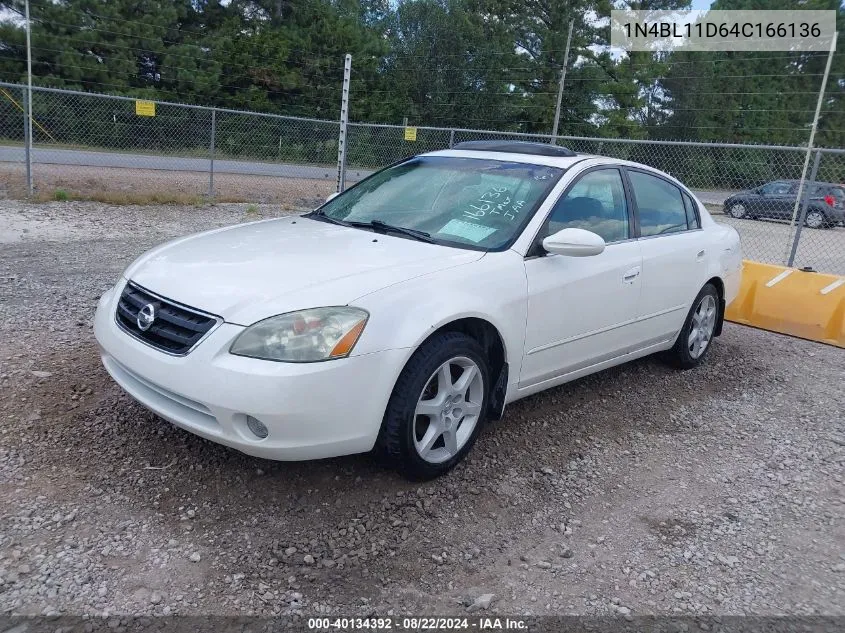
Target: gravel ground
640	490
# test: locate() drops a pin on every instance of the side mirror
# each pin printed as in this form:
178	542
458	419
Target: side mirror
574	243
332	196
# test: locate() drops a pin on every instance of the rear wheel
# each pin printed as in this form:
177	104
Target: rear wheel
694	340
437	407
815	219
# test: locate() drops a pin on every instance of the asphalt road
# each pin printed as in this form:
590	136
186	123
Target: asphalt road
173	163
179	163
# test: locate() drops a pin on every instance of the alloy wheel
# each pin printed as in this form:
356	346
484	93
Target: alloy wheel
448	410
814	219
702	327
737	210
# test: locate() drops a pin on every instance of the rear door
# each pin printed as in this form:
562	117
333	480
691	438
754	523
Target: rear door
674	256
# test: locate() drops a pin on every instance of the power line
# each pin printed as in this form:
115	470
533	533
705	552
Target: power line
122	90
139	76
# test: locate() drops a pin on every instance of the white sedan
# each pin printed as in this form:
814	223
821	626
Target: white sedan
406	311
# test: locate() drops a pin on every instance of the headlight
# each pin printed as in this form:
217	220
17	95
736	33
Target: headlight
305	336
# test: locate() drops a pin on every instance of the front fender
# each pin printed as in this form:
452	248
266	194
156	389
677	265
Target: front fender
493	288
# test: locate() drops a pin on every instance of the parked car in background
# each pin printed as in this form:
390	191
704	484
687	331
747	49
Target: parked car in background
415	305
776	200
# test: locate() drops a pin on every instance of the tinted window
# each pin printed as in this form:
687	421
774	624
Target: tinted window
659	203
776	188
692	216
460	201
596	203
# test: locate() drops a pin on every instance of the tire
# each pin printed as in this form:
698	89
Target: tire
738	211
815	219
405	432
686	355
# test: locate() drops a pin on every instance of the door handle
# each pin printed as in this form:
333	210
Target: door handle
700	255
630	275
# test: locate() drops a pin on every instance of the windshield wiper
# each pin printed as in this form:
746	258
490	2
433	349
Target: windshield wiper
384	227
375	225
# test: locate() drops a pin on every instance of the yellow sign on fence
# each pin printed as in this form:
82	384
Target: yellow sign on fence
145	108
410	134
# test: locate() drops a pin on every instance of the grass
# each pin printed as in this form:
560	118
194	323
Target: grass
136	198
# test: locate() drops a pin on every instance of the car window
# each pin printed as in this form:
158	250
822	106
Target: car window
661	208
472	202
692	216
596	203
776	188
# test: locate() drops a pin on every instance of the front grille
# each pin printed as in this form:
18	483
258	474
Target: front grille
175	329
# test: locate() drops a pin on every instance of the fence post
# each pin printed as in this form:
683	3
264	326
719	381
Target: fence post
813	129
344	120
451	139
211	153
805	202
27	141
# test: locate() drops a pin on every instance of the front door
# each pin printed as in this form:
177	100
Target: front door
777	200
581	310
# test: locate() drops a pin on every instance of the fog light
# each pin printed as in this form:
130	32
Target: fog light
258	429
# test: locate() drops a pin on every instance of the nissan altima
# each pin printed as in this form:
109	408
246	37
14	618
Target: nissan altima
408	310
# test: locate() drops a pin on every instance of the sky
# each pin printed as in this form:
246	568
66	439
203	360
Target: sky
701	4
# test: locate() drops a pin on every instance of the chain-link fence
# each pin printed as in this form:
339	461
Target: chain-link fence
117	149
124	150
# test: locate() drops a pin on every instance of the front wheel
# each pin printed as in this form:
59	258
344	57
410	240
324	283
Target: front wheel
697	334
737	210
437	407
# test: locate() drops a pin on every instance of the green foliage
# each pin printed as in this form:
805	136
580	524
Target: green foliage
60	195
491	64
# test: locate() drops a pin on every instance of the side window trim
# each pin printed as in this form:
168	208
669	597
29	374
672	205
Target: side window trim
689	200
633	202
633	211
533	251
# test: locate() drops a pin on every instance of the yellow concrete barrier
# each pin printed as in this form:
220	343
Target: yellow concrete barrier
791	301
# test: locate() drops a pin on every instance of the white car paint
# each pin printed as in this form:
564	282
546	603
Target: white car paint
559	317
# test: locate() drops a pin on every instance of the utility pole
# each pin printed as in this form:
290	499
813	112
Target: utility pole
28	129
344	120
562	80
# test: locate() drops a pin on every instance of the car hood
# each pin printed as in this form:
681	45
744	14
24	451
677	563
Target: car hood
252	271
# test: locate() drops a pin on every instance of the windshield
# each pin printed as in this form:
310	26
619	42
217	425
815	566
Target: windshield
466	202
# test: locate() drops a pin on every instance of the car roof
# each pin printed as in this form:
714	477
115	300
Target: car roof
510	152
794	181
518	147
515	157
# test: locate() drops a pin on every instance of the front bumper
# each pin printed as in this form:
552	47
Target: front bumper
311	410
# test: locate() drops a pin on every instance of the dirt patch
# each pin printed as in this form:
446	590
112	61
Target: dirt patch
117	185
